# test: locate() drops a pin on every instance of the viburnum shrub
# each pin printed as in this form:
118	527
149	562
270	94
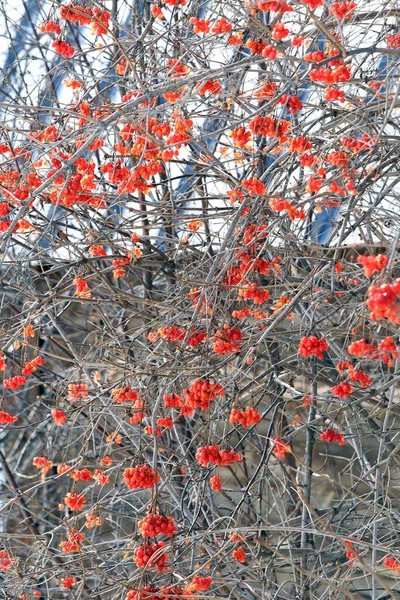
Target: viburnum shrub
200	300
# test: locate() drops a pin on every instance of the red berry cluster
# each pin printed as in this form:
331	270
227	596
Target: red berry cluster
334	94
81	475
292	103
154	525
59	417
342	390
270	52
385	351
331	76
154	593
382	301
173	401
226	340
317	56
239	554
373	264
342	10
50	27
196	338
274	6
312	346
330	435
201	393
252	292
150	555
140	477
41	462
221	26
360	377
125	394
255	46
391	563
269	126
279	32
215	483
300	144
172	334
393	40
31	366
254	186
280	204
241	137
200	25
214	455
246	418
72	543
67	582
14	382
6	418
209	87
198	584
74	501
63	48
280	448
77	390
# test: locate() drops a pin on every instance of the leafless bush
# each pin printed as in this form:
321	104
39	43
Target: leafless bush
199	231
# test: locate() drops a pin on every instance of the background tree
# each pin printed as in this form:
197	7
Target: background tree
200	304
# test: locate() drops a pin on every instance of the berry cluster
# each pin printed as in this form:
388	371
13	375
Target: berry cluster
300	145
154	593
382	301
246	418
74	501
280	204
5	561
239	554
252	292
292	103
125	394
50	27
226	340
31	366
81	475
14	382
221	26
330	436
154	525
254	186
63	48
200	25
72	543
67	582
342	390
280	448
59	417
342	10
201	393
150	555
77	390
215	483
373	264
140	477
279	32
312	346
214	455
6	418
198	584
334	94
